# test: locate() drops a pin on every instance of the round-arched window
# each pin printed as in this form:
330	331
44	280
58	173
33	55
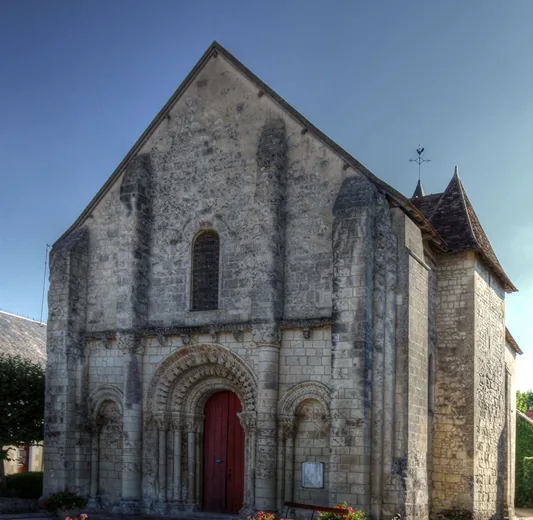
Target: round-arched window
205	259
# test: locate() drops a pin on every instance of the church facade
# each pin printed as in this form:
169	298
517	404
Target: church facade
245	315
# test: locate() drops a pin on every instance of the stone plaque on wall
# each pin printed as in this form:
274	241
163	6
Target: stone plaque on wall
313	475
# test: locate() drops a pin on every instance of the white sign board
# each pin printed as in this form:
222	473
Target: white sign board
313	475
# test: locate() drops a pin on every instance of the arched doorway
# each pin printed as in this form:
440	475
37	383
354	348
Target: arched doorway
223	472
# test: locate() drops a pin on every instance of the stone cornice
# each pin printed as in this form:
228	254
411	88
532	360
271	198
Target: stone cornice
188	330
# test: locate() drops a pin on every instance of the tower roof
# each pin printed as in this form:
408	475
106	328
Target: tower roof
452	215
419	191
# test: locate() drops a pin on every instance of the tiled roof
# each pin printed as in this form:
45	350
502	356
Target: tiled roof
509	339
455	220
22	336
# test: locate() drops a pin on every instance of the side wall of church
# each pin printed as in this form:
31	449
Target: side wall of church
454	427
490	452
510	430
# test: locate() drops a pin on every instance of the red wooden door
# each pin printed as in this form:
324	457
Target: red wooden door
223	454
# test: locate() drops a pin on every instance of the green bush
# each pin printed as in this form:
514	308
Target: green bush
25	485
524	452
64	500
527	466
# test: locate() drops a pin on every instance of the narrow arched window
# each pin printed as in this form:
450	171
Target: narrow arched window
205	271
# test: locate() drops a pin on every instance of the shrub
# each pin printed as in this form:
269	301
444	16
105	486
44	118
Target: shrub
524	451
64	500
527	466
353	514
25	485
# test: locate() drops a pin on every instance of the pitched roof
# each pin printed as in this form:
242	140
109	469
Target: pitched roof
214	49
509	339
454	218
22	336
419	191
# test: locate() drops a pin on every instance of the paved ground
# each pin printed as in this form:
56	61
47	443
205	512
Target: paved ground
523	513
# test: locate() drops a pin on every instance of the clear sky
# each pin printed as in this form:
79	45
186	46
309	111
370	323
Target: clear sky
80	81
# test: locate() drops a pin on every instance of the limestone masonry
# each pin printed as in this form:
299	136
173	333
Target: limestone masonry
237	249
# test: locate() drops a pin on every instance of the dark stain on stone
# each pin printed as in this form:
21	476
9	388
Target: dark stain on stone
240	106
201	83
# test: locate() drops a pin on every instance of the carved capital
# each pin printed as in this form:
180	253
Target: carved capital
214	334
185	339
161	421
176	423
266	334
248	421
161	338
150	423
287	427
193	422
130	343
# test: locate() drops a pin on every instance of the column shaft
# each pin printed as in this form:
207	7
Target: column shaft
176	488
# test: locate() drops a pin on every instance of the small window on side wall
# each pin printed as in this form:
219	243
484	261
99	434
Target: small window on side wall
205	258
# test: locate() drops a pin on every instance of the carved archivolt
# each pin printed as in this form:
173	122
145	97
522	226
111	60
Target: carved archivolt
105	407
193	373
297	394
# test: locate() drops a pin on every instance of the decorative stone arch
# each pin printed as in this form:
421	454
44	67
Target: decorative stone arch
97	401
297	394
176	397
288	407
185	368
100	396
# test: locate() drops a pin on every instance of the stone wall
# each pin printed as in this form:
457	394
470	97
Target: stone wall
454	428
510	431
490	413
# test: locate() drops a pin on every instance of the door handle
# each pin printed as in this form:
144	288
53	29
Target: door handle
219	461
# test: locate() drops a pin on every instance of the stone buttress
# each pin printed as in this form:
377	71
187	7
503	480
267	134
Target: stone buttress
268	237
67	453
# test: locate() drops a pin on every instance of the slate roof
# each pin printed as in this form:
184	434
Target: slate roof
453	217
22	336
509	339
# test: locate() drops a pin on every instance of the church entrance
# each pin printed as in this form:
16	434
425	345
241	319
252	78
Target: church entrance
223	473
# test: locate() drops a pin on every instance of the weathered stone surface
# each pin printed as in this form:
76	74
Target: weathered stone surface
349	339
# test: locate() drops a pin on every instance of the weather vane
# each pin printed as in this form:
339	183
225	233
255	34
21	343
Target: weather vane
419	159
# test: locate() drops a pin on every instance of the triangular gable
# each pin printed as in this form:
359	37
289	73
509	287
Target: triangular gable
214	50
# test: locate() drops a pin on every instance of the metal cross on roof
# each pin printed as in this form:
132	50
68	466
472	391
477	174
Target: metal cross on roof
419	160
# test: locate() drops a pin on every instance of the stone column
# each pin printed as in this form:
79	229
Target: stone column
249	425
268	372
132	350
352	342
286	434
162	462
192	427
94	498
65	437
133	272
176	477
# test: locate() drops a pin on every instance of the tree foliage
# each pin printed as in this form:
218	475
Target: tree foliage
524	463
524	400
21	402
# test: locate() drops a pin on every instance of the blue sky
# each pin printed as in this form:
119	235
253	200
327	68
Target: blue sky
81	81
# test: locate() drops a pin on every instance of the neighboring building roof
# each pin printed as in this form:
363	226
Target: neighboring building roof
524	416
454	218
214	49
509	339
22	336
